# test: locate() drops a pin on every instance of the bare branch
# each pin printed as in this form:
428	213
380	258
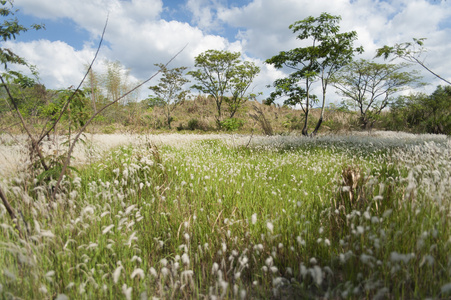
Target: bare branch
82	129
78	88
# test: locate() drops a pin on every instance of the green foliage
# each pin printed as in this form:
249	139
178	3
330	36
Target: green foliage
422	113
410	52
10	28
77	113
222	75
152	102
328	52
109	129
232	124
370	86
169	91
304	218
193	124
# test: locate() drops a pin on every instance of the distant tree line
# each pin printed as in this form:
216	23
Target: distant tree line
368	88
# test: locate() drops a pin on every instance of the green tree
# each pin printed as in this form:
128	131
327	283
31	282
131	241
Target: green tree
329	50
9	29
410	52
370	86
170	89
423	113
222	75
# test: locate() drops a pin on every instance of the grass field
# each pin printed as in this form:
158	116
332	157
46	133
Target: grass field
237	217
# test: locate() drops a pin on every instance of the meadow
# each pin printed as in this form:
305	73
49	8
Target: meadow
185	216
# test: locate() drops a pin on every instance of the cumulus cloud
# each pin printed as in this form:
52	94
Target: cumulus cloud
139	37
57	62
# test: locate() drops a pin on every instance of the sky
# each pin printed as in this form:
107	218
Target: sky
141	33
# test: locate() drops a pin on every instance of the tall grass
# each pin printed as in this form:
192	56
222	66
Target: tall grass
286	217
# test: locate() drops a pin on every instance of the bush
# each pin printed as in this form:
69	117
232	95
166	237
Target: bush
232	124
180	127
193	124
109	129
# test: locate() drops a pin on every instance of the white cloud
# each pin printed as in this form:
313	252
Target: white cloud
58	63
264	25
138	37
204	13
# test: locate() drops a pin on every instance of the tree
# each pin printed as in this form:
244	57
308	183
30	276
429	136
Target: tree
370	86
328	52
423	113
410	52
9	29
221	73
170	89
239	84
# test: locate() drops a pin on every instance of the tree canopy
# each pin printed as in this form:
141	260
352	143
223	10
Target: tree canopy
369	86
329	50
222	75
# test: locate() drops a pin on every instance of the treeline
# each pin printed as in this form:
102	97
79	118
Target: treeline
370	92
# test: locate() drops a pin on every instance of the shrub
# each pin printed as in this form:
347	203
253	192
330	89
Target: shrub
180	127
193	124
232	124
109	129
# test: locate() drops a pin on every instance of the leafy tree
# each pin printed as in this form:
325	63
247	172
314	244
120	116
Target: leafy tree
423	113
295	94
410	52
153	101
9	29
239	84
369	86
221	74
170	89
115	80
328	52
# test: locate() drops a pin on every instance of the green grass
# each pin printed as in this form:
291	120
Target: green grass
213	219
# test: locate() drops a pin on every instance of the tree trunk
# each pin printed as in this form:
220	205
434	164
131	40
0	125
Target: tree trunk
318	125
305	129
307	105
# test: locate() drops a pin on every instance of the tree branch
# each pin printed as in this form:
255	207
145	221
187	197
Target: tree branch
82	129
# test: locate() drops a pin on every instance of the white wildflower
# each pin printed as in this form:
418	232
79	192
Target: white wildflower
117	273
138	272
61	297
88	209
185	259
318	275
153	272
254	218
127	291
107	229
164	262
43	289
360	229
50	274
136	258
47	233
269	261
131	239
270	226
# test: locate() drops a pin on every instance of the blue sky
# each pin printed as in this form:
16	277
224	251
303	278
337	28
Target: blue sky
144	32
